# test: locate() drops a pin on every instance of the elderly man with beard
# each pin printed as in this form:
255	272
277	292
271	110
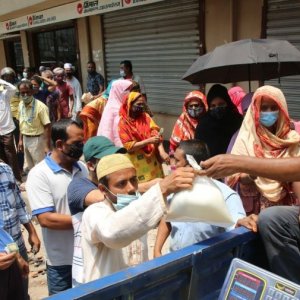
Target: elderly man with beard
47	185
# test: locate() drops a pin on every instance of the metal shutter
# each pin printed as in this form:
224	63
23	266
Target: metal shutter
162	41
283	23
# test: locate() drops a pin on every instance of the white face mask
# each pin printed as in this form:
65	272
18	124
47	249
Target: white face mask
122	73
25	74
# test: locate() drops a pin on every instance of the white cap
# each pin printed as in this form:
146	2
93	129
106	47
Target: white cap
67	66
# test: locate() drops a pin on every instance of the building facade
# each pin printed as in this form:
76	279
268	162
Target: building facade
162	38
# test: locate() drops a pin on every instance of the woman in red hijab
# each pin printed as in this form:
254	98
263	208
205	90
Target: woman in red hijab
194	107
142	138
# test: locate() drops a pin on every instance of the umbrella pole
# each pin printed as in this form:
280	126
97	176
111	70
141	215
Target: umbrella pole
249	86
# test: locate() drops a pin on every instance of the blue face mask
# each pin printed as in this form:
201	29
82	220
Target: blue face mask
123	200
268	118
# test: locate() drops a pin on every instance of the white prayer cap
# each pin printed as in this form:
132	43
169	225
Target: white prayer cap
58	71
67	66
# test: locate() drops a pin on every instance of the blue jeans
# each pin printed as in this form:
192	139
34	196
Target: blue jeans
59	278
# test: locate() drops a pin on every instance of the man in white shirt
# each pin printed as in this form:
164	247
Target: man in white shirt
7	146
77	91
108	227
47	185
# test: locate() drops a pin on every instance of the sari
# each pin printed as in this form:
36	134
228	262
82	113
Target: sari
135	130
91	116
257	141
108	126
185	126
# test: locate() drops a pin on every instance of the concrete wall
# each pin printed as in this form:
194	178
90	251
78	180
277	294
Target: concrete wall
2	55
231	20
95	26
24	43
84	47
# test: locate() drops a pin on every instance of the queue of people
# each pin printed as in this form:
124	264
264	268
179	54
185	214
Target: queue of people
95	211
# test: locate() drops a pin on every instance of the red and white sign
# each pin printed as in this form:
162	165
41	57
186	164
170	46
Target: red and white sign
69	11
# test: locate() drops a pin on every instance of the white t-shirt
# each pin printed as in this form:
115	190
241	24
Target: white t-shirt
106	234
6	122
46	186
77	265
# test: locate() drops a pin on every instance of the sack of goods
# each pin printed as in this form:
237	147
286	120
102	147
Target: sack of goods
203	203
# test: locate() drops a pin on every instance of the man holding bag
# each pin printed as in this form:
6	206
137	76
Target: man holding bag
110	226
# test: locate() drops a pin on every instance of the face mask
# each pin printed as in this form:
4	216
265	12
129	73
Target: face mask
218	112
122	73
268	118
123	200
26	99
69	75
25	74
138	109
75	151
195	112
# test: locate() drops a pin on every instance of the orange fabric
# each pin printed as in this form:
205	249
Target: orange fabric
185	126
91	116
136	130
257	141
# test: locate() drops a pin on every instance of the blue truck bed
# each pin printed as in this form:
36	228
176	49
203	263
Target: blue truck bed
195	272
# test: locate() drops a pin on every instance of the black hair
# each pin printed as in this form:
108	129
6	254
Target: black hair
196	148
26	83
59	130
127	64
91	62
104	181
37	79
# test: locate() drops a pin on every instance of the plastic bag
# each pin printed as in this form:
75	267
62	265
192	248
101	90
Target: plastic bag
7	243
203	203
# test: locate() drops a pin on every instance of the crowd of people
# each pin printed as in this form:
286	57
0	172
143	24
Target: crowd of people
93	164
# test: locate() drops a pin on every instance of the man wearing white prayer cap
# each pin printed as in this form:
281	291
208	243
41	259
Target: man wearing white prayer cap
77	91
112	229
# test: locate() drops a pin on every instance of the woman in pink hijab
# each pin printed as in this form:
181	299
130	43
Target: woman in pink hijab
237	94
108	126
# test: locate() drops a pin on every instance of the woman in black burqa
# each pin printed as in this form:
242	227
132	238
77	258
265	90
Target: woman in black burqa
220	122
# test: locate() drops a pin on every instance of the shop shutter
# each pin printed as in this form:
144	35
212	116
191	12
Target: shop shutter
283	23
162	41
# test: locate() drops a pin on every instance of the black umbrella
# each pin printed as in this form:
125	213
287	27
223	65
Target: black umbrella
245	60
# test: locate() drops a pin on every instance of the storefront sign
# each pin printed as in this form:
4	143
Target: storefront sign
69	11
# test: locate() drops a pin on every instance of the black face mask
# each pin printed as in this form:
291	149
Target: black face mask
138	109
75	150
91	72
218	112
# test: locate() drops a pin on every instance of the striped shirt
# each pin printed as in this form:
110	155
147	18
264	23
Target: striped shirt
13	211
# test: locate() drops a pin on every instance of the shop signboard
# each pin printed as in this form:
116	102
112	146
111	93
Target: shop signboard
74	10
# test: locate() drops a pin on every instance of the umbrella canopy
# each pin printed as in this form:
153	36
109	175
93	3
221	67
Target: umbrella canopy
245	60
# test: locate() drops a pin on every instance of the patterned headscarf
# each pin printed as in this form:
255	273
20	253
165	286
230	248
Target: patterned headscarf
257	141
